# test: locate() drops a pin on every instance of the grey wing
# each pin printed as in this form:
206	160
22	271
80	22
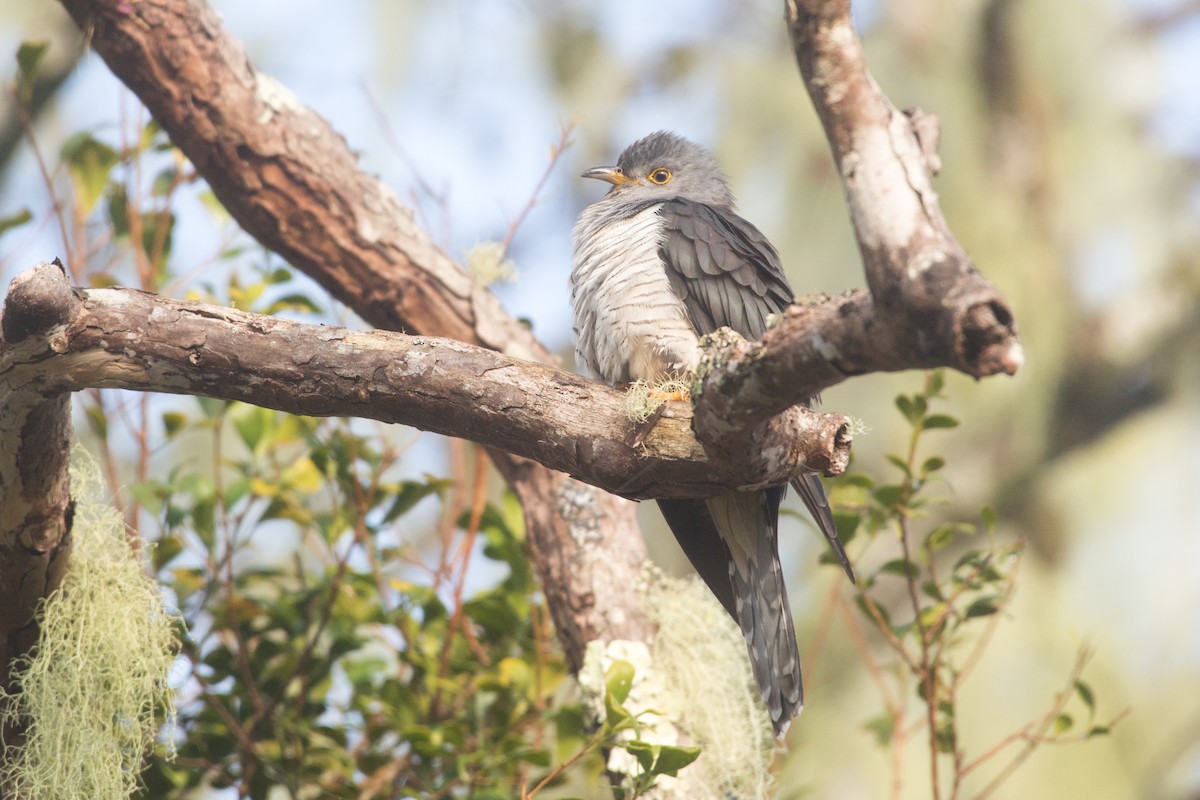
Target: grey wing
722	268
727	273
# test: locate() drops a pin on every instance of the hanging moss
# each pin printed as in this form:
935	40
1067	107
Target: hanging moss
94	693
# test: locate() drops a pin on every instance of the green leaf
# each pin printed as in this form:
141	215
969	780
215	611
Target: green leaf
900	464
890	496
661	759
173	422
645	753
164	551
89	162
158	230
988	515
984	606
117	202
97	421
882	727
932	464
411	493
672	758
943	535
934	383
15	220
294	302
618	680
946	736
930	615
29	55
1097	730
899	566
912	407
1063	723
1086	694
934	421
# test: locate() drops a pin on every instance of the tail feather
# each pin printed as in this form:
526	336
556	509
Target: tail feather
733	542
747	523
809	487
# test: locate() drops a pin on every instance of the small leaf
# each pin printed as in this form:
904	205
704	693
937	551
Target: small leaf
15	220
1097	730
882	727
97	421
165	550
118	210
913	408
618	680
890	495
294	302
173	422
1063	723
984	606
934	383
411	493
899	566
941	536
935	421
672	758
900	464
988	515
932	464
89	162
29	55
1086	694
931	589
645	753
946	736
865	608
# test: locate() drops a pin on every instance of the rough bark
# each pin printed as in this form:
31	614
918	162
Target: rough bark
293	183
929	301
121	338
35	443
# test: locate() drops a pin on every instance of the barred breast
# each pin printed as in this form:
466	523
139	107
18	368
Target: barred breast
629	323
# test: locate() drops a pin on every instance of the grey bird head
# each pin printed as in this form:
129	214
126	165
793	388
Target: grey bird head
665	166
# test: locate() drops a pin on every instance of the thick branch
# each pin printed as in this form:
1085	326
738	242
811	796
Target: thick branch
35	504
924	286
292	183
121	338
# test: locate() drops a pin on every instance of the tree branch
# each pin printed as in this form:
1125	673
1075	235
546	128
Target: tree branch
122	338
291	182
930	302
35	503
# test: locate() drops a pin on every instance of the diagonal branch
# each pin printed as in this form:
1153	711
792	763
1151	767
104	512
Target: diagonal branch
293	183
925	289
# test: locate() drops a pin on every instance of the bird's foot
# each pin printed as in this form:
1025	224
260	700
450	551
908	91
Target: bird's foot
644	400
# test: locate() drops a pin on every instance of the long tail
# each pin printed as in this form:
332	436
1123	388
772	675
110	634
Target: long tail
733	543
809	487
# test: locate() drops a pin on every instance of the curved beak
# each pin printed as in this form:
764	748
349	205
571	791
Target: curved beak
612	175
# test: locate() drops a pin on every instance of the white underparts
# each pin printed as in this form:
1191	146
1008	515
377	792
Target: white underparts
629	323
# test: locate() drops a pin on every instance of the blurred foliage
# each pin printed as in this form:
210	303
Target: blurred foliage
955	581
325	671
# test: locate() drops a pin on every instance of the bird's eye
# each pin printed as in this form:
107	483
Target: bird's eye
659	175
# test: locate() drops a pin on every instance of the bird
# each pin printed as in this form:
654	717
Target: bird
658	262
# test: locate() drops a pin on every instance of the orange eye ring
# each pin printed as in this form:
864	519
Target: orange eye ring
659	175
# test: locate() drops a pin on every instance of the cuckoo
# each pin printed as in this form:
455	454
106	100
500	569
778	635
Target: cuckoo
661	260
